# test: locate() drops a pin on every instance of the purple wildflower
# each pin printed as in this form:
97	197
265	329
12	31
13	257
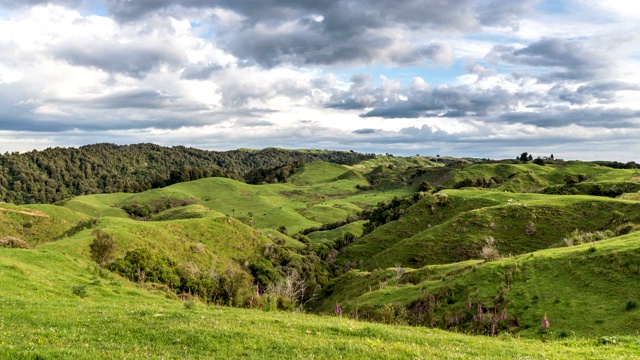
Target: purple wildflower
545	322
338	310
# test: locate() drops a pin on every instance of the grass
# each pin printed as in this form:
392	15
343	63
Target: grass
584	290
42	318
36	223
519	222
55	303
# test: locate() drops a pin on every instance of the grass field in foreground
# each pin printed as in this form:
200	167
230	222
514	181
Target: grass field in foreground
56	307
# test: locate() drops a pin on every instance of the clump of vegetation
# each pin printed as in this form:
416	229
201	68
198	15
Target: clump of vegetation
278	174
14	242
578	237
386	212
631	305
103	247
79	290
489	251
143	211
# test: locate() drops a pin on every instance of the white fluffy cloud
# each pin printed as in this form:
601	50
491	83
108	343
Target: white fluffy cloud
479	78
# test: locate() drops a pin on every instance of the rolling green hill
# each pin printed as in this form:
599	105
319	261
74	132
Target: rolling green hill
430	233
480	247
585	290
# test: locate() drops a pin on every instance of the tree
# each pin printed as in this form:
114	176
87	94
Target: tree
102	248
539	161
425	186
524	157
571	180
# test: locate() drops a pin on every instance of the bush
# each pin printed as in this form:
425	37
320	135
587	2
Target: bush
189	304
80	291
13	242
631	305
489	251
102	248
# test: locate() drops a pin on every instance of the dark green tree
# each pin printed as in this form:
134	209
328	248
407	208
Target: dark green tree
102	248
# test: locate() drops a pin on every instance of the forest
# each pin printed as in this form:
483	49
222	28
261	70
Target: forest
55	174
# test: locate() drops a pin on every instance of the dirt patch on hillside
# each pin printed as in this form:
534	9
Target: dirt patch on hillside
29	212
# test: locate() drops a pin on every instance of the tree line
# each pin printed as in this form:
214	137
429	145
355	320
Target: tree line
59	173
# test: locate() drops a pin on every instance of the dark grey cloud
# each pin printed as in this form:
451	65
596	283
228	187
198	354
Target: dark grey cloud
365	131
303	32
570	59
602	91
253	123
199	71
12	4
461	101
617	118
135	59
139	99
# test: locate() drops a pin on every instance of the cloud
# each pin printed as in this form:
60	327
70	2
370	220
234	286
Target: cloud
275	32
365	131
199	71
419	100
571	59
609	118
135	59
375	76
12	4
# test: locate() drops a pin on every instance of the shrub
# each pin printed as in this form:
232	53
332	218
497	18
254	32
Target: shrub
189	304
442	199
631	305
289	290
80	291
626	228
392	313
197	248
425	187
608	340
489	251
13	242
102	248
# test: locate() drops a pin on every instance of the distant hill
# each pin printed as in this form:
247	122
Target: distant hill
58	173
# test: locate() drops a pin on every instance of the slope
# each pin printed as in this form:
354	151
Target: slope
56	307
587	290
432	233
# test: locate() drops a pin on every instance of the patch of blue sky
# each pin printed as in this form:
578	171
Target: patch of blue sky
495	38
203	30
93	7
434	75
556	7
574	9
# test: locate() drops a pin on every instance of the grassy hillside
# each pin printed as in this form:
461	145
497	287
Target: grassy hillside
419	264
432	233
204	241
36	224
586	290
69	310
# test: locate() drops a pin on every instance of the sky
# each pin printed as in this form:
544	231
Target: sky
465	78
